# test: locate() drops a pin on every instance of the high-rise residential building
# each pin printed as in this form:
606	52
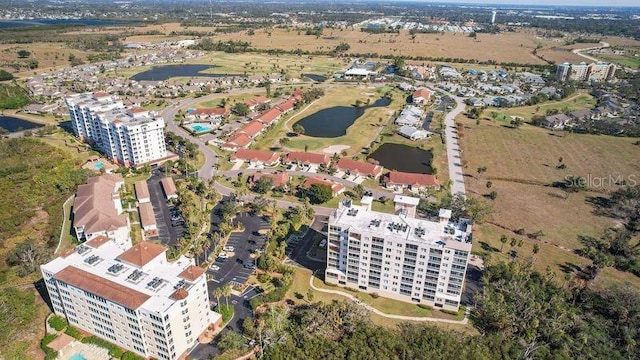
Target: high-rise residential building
132	297
130	137
585	72
398	255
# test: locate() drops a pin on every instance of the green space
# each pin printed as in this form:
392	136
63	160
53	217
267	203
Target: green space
12	96
629	61
578	101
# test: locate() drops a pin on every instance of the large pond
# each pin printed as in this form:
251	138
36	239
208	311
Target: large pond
164	72
404	158
334	121
14	124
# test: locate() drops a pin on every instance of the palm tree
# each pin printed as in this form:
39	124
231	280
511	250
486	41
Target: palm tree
503	240
226	291
217	293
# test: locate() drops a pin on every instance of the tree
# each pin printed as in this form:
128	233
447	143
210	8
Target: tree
298	129
23	54
241	109
263	185
489	184
230	340
5	75
284	141
319	193
481	170
226	292
493	195
503	240
359	190
536	248
33	64
28	255
516	123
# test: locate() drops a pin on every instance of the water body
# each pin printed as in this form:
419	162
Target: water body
14	24
164	72
315	77
14	124
404	158
334	121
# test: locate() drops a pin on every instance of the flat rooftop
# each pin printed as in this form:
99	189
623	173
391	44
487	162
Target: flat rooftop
456	235
157	283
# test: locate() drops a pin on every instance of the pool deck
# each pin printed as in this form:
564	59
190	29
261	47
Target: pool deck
88	351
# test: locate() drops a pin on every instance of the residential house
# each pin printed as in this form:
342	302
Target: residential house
269	116
581	115
411	115
359	168
397	181
413	133
280	179
258	100
306	159
421	96
556	122
256	157
237	141
215	114
336	189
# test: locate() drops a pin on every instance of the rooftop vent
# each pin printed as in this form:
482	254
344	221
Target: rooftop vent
181	284
375	223
93	259
135	276
82	249
115	268
155	283
419	232
352	212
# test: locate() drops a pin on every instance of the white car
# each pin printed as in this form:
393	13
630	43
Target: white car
223	255
228	248
323	243
214	267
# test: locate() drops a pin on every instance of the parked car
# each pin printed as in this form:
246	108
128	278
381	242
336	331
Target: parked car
228	248
223	255
221	260
214	267
323	243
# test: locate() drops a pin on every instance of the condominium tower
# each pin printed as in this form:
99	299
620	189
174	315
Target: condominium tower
132	297
128	136
585	72
398	255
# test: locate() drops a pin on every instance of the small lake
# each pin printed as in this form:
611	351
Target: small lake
334	121
164	72
403	158
315	77
14	124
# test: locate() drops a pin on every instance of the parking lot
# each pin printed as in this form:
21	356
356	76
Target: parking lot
168	231
236	265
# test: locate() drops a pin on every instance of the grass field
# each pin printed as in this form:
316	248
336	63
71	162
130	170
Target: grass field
521	163
360	134
578	101
49	56
623	60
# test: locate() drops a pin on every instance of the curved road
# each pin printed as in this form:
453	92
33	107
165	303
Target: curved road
579	51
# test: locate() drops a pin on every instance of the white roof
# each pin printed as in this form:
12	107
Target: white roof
445	213
407	200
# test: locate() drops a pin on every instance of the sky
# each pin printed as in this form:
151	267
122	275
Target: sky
608	3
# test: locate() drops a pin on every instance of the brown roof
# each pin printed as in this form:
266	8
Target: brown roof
359	167
67	253
307	158
279	179
142	190
168	186
256	101
335	187
93	206
100	94
212	111
422	93
141	253
179	294
269	116
97	241
267	157
287	105
403	178
147	217
60	342
238	140
102	287
192	272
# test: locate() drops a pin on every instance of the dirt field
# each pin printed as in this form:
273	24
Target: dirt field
48	55
506	47
520	164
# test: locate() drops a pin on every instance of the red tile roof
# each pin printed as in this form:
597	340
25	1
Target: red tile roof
142	190
142	253
279	179
403	178
335	187
179	294
100	94
358	167
307	158
252	129
422	93
147	216
287	105
102	287
97	241
212	111
269	116
238	140
257	101
168	186
192	273
267	157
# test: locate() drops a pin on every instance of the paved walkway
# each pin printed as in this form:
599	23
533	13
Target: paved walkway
456	173
579	51
390	316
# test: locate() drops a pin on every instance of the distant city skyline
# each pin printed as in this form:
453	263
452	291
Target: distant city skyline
612	3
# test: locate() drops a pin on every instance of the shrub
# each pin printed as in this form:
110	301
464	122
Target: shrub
73	332
131	356
114	350
264	277
351	289
50	354
58	322
375	295
226	311
425	306
450	312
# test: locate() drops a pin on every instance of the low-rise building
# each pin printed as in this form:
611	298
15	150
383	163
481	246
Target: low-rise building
280	179
306	159
132	296
148	219
556	122
336	189
359	168
411	115
142	191
169	188
398	181
421	96
256	157
413	133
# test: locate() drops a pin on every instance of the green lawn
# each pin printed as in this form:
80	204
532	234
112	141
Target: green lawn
623	60
578	101
387	207
66	241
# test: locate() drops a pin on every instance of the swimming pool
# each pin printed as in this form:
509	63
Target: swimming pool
99	165
77	356
199	128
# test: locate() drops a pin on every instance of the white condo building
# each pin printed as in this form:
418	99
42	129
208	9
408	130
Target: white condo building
130	137
398	255
131	297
